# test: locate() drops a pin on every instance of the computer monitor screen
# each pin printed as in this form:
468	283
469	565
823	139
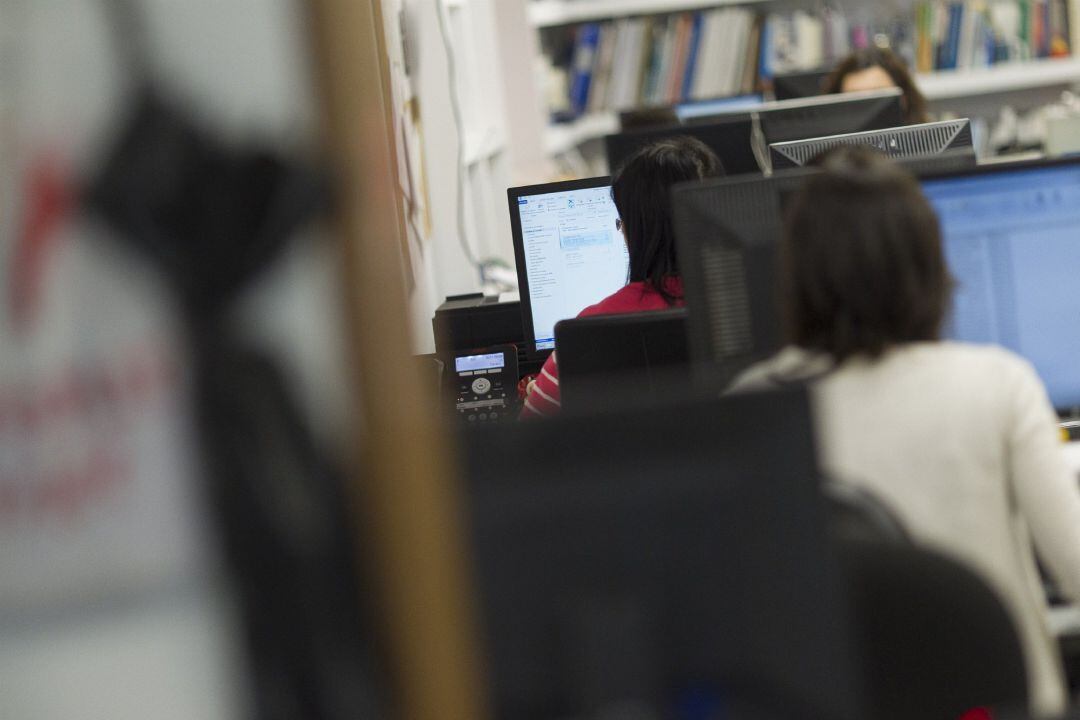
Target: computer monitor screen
731	138
569	252
910	141
1011	241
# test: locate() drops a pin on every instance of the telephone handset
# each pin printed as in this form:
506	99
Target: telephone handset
486	384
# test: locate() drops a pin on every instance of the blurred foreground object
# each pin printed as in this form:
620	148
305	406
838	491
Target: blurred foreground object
408	498
173	539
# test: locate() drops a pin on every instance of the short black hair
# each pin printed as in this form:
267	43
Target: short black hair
641	189
861	263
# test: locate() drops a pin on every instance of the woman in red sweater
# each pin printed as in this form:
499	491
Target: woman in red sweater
641	190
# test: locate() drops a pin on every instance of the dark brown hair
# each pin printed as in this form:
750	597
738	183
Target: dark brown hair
891	63
641	189
861	264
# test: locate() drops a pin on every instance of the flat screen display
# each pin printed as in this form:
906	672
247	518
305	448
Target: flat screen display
574	255
1012	241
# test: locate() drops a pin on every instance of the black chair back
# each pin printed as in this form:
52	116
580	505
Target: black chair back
641	355
935	641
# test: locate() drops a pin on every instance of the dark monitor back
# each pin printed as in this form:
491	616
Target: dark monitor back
730	138
791	86
645	562
641	353
728	231
832	115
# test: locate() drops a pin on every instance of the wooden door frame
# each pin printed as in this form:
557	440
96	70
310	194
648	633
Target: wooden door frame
405	489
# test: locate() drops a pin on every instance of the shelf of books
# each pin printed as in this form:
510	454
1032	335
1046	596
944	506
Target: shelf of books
551	13
958	48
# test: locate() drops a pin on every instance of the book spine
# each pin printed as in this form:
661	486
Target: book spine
677	74
765	66
750	65
692	56
584	55
1072	20
1025	29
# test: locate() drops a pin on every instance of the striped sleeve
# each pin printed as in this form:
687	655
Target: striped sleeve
543	399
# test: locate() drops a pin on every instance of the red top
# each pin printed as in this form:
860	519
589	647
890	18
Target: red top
543	399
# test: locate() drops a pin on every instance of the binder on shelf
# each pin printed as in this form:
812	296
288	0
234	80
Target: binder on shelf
588	36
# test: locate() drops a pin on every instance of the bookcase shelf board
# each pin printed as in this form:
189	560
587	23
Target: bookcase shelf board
947	84
551	13
563	137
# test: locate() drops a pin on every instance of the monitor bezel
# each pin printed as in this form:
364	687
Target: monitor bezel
512	196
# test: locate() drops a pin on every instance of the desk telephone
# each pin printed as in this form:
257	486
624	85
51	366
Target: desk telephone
485	384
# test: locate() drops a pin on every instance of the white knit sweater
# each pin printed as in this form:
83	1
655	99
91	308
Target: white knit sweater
961	441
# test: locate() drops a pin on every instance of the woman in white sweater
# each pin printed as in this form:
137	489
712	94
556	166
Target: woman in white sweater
960	440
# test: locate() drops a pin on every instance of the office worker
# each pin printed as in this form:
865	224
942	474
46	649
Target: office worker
641	192
960	440
878	68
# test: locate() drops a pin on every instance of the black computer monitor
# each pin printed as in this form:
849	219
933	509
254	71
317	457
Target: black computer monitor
728	232
823	115
731	138
569	253
911	141
791	86
643	354
786	120
665	562
1012	240
661	115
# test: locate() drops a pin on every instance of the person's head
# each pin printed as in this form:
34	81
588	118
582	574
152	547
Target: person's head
641	189
877	68
861	264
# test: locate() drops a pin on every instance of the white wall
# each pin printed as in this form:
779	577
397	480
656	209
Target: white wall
495	51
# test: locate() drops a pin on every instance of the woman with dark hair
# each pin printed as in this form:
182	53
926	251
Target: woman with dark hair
877	68
641	192
960	440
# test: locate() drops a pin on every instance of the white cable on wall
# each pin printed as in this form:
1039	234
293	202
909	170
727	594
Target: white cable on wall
459	125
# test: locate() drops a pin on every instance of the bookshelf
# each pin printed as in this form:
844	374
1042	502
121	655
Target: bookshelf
984	61
552	13
940	86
